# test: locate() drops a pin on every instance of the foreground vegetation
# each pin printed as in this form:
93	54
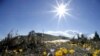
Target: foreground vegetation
34	44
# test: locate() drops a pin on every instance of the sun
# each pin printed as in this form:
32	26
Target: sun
61	10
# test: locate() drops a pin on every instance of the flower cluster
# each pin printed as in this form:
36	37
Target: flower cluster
96	52
64	51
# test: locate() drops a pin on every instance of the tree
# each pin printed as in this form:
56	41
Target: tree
78	37
84	39
96	37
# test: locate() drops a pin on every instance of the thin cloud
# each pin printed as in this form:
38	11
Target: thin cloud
91	35
67	33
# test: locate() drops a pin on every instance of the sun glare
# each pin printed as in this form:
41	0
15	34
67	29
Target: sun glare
61	10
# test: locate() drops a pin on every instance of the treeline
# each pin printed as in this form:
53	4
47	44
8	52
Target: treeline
82	39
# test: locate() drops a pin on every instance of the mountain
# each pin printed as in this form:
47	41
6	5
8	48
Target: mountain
48	37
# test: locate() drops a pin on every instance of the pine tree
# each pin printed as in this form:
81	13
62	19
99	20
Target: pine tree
96	37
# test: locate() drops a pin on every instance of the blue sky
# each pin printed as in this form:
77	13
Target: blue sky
27	15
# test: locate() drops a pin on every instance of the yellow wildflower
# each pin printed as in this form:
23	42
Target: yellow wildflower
95	55
61	48
96	52
59	53
44	53
64	50
71	51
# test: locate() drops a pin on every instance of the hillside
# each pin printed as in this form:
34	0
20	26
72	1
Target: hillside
26	42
